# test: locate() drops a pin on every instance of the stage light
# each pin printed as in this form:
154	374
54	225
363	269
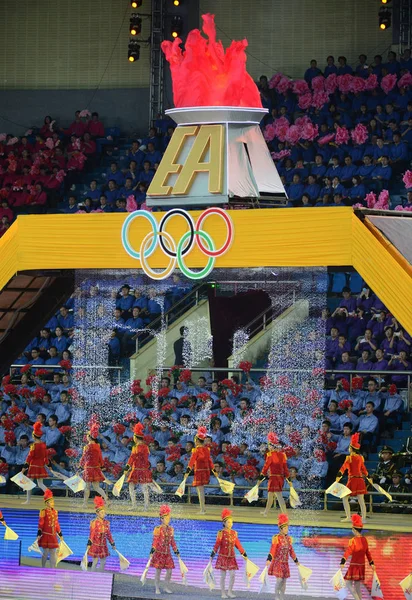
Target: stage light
136	3
386	1
134	51
176	2
177	26
385	19
135	25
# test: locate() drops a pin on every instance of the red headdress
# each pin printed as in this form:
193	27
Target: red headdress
357	521
94	431
345	384
98	502
355	441
201	433
138	430
37	430
357	383
165	510
48	495
9	437
392	389
226	514
273	439
283	520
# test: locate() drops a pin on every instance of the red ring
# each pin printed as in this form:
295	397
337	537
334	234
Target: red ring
225	247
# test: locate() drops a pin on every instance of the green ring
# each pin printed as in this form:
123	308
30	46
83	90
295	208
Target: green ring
210	263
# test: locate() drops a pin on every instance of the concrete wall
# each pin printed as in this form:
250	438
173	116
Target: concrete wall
285	36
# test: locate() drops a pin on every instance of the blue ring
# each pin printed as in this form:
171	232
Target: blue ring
125	233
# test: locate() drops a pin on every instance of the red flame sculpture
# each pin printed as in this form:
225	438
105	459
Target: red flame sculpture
204	74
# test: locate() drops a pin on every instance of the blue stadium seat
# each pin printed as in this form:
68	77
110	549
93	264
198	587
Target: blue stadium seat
355	283
339	282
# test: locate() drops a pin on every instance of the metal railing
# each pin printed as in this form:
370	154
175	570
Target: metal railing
57	367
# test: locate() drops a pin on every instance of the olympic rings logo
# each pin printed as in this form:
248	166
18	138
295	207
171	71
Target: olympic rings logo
177	252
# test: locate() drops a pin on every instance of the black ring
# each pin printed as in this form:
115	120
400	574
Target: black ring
171	213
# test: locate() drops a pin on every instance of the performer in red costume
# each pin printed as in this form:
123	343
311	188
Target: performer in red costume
49	531
36	461
226	542
99	535
202	465
161	557
92	463
278	557
277	468
138	467
2	521
355	466
358	549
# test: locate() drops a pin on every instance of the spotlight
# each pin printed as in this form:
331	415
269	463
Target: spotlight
134	51
177	26
136	3
135	24
385	19
176	2
386	1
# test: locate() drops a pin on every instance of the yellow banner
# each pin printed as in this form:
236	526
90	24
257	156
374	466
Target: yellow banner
261	238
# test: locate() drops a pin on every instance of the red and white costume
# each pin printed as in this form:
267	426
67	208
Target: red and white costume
92	463
355	466
358	550
49	527
37	458
140	471
276	467
98	537
226	542
280	551
163	540
201	463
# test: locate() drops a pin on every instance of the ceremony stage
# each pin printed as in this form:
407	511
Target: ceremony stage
319	540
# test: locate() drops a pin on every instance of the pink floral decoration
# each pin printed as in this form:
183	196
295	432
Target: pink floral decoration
370	199
284	85
360	134
131	204
320	99
407	179
345	83
305	101
358	205
60	175
301	121
280	155
405	80
342	136
275	80
300	87
293	134
388	82
3	137
371	82
383	200
400	207
309	131
269	132
281	128
331	83
12	141
97	210
29	132
318	83
326	139
85	113
50	143
357	85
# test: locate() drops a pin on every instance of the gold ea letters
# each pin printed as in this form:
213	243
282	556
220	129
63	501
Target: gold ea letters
207	137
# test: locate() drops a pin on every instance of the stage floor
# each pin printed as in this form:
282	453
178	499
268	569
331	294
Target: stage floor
319	540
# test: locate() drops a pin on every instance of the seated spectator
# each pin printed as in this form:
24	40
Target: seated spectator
330	66
305	201
344	68
335	170
395	488
325	201
368	426
95	127
389	345
71	207
398	154
385	468
348	415
341	451
104	206
392	66
348	171
399	363
333	417
344	365
318	169
147	174
392	411
312	189
357	192
337	188
364	363
152	155
381	364
362	68
312	72
65	319
296	188
115	174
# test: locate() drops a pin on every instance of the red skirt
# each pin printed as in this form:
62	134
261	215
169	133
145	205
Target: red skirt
279	568
37	472
93	474
48	540
355	573
162	560
275	483
226	563
140	476
357	486
97	551
202	477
